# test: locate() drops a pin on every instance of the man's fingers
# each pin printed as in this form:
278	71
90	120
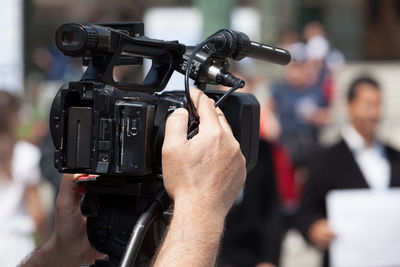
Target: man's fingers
67	195
176	127
205	109
224	123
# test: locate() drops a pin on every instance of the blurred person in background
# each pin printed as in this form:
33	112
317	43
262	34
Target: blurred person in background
320	52
316	42
20	208
253	229
301	107
321	57
358	160
54	65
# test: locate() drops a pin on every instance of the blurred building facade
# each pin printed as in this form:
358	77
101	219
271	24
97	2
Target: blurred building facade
362	29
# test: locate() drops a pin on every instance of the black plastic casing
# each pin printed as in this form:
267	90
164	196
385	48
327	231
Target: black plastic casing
99	129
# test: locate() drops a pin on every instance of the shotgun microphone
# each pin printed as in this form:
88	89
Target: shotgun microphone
238	45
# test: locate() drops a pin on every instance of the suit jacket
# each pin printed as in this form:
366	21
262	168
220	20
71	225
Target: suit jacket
336	168
253	227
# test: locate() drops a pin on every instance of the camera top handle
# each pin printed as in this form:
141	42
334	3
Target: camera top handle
108	45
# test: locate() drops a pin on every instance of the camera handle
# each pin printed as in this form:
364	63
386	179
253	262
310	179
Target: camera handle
155	209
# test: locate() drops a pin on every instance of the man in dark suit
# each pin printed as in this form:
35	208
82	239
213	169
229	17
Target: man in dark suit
253	229
359	160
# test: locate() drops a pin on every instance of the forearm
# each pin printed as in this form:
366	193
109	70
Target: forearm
192	239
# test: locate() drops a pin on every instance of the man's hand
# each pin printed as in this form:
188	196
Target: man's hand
69	246
208	169
320	234
71	235
203	176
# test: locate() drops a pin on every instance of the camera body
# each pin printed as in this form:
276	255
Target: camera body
100	129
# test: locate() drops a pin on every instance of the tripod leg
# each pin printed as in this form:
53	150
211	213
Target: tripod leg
159	204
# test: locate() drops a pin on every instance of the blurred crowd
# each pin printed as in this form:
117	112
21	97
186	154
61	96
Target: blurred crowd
292	114
287	188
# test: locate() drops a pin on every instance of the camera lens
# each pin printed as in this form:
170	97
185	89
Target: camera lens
76	39
70	38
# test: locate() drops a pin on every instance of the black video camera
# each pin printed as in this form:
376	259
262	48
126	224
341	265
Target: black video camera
115	130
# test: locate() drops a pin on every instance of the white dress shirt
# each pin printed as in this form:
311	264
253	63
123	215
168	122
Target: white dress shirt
372	159
16	224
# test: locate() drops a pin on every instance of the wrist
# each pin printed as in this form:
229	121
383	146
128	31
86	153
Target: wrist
45	256
202	205
203	219
51	254
202	210
193	228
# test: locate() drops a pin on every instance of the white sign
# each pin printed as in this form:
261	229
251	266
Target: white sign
367	227
11	47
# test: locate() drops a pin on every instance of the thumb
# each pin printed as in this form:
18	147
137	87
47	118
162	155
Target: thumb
176	128
67	197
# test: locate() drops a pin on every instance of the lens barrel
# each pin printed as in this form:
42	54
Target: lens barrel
75	39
